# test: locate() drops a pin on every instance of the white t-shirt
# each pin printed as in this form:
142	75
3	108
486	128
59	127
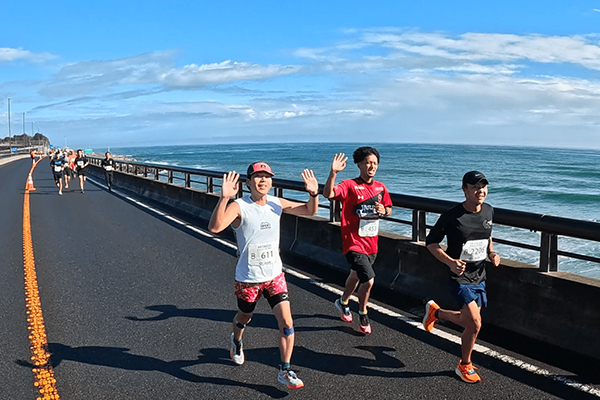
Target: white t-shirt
258	240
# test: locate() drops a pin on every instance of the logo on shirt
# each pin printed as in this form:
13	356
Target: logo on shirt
265	225
487	224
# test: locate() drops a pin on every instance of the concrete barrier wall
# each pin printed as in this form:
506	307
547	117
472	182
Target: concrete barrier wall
557	307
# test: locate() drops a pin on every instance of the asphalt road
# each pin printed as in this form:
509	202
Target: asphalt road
138	307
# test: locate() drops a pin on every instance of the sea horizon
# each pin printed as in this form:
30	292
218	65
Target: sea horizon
102	149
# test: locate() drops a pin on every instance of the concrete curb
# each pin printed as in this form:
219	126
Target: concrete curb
7	160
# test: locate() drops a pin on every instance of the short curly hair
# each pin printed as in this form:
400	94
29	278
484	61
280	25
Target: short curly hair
363	152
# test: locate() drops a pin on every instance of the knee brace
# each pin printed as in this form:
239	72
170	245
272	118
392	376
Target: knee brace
240	325
288	332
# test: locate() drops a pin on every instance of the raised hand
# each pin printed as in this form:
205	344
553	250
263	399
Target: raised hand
230	184
339	162
310	181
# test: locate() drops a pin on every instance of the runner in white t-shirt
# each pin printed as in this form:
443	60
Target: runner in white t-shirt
255	219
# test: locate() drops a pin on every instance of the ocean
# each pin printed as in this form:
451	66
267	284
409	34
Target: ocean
559	182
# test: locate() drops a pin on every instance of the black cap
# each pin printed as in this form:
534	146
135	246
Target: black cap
473	178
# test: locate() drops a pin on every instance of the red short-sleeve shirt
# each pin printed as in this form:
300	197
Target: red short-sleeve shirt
358	203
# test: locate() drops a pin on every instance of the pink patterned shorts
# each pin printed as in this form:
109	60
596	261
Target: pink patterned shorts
251	292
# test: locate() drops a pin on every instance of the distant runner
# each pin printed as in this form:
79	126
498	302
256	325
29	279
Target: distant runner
81	163
33	154
109	165
57	163
68	171
364	201
259	270
468	229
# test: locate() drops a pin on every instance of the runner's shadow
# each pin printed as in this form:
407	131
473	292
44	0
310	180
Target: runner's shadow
119	357
374	362
259	320
341	327
170	311
377	361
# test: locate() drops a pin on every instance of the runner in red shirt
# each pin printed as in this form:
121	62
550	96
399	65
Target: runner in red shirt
364	202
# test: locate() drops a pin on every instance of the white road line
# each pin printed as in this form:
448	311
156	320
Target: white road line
416	324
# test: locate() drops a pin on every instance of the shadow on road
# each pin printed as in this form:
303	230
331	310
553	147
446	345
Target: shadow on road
119	357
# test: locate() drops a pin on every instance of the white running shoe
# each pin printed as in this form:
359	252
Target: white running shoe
237	351
289	378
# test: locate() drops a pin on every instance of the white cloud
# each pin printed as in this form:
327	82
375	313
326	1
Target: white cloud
388	84
405	49
225	72
155	70
8	55
482	69
88	77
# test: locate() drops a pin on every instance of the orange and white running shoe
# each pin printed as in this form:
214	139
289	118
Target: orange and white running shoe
429	319
467	372
289	379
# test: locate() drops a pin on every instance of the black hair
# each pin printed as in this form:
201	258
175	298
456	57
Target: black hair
363	152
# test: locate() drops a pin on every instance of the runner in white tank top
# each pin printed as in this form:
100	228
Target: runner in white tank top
256	221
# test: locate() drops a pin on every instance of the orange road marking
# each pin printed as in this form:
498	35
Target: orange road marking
44	373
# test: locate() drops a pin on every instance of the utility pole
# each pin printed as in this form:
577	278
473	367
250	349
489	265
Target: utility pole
9	133
32	133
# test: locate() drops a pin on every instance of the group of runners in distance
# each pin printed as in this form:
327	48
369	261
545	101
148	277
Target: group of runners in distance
67	164
255	219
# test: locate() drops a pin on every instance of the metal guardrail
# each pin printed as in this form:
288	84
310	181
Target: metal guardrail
549	227
7	152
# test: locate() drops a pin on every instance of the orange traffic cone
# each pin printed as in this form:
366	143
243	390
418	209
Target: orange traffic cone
30	183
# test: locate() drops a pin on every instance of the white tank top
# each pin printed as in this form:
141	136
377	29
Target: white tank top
258	241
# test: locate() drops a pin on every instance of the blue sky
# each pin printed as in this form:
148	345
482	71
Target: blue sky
132	73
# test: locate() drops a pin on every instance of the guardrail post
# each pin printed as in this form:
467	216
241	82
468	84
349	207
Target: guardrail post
278	192
548	252
335	211
188	181
156	174
419	227
210	185
170	176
